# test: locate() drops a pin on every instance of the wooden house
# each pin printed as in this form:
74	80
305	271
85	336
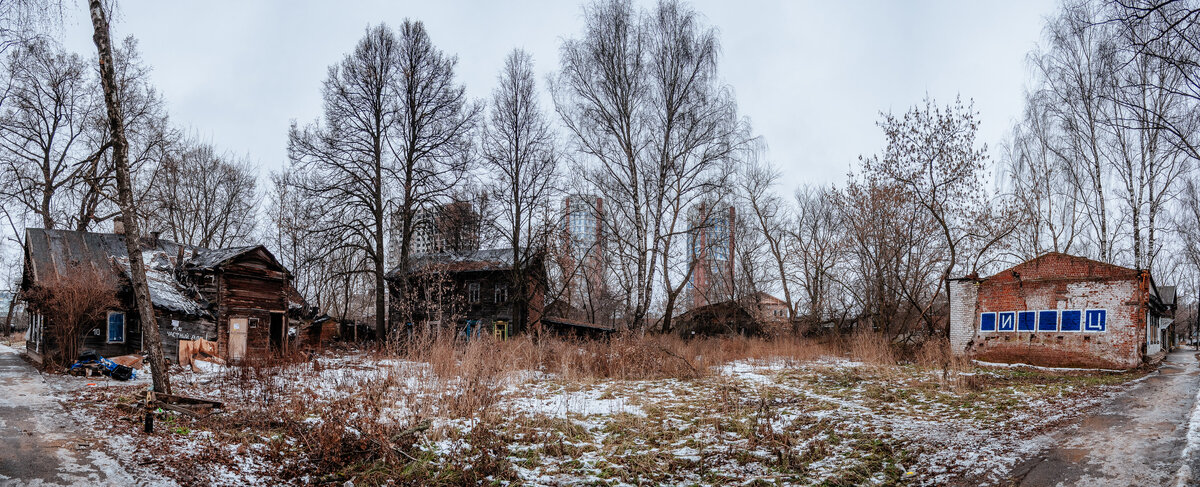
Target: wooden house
236	297
471	292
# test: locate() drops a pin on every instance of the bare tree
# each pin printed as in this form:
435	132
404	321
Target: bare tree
204	198
772	220
897	257
1036	177
74	302
1165	31
436	126
1078	67
25	20
600	93
129	208
518	146
653	130
395	134
932	156
347	158
46	137
817	244
696	138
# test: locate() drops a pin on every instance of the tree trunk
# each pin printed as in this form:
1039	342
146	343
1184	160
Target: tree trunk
137	268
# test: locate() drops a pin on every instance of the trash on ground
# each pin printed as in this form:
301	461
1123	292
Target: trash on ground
90	363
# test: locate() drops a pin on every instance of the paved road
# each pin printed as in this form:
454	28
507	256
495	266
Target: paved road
1138	439
39	443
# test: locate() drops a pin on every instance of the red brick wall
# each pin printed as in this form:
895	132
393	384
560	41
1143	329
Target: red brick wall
1057	282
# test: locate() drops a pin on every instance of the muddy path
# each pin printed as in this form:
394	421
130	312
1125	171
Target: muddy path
39	442
1137	439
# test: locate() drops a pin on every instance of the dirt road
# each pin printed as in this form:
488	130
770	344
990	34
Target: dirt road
39	443
1138	439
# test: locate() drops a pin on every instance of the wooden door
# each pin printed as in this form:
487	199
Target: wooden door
237	338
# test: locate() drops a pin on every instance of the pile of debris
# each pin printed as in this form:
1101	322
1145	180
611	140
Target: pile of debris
91	364
192	351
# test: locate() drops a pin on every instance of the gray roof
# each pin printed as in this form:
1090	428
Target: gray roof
1166	294
211	258
483	260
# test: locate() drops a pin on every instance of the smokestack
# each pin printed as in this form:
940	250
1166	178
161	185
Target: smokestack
119	225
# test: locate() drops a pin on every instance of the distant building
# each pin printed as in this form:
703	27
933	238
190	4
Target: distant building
756	314
1060	310
582	262
711	249
449	228
582	216
473	294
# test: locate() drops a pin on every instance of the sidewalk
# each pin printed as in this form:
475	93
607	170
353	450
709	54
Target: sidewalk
1137	439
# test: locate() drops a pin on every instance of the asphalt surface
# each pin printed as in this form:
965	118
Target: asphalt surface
39	442
1137	439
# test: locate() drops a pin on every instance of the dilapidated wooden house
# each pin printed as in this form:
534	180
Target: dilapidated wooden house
237	297
472	292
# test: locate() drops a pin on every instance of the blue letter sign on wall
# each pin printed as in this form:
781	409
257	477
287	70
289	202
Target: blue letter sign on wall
1006	321
1067	320
987	322
1048	320
1095	320
1025	320
1070	320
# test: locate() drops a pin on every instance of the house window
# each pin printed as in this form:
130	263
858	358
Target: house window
116	327
253	322
473	292
501	293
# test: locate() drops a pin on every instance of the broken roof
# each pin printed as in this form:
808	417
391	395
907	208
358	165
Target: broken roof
210	258
50	252
165	291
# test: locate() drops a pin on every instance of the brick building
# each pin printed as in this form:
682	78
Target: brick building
1060	310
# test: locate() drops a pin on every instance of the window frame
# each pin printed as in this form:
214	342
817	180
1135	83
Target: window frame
108	327
473	294
500	294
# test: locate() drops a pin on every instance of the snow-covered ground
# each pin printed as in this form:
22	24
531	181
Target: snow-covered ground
829	420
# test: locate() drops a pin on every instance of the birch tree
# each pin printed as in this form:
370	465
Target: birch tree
129	210
519	150
653	129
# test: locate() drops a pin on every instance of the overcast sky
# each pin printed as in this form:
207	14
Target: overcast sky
811	76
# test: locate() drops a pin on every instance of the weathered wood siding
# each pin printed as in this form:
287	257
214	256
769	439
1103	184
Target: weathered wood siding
251	287
173	328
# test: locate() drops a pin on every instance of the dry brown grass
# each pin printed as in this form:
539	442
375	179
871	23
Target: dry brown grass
366	429
625	356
